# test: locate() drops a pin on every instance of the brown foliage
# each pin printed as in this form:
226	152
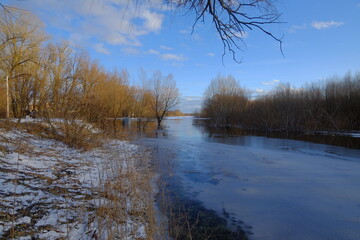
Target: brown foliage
59	83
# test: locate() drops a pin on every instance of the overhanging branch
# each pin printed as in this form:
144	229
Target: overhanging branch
232	17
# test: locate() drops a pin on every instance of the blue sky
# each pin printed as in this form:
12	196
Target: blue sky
321	39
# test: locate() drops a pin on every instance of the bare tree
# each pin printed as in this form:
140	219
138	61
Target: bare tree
224	101
165	95
322	106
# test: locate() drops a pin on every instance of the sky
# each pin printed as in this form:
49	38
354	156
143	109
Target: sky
320	40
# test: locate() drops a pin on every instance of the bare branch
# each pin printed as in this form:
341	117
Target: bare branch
232	17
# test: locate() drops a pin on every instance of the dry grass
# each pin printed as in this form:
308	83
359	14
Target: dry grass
77	134
74	133
115	201
126	198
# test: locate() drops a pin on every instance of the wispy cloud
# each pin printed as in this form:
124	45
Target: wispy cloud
165	56
115	22
210	54
253	94
166	47
152	51
241	34
153	21
295	28
99	47
177	64
130	51
189	104
184	31
196	37
77	39
174	57
275	81
315	24
325	25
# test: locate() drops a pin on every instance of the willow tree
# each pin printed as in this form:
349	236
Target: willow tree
21	38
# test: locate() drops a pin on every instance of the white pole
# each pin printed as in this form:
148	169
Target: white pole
7	98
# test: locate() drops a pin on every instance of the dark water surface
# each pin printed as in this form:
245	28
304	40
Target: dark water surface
275	188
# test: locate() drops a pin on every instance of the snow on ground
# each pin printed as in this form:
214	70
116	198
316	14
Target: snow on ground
57	121
177	117
355	135
350	133
51	191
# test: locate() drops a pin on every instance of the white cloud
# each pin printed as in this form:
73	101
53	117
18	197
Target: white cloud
189	104
191	98
166	47
99	47
175	57
196	37
259	90
270	82
241	34
210	54
116	22
177	64
153	21
295	28
324	25
131	51
152	51
76	39
184	31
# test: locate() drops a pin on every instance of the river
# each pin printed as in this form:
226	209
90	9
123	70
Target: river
274	188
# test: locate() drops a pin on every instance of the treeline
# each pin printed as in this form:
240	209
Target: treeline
332	105
55	81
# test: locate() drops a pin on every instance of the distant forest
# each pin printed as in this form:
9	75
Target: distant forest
330	105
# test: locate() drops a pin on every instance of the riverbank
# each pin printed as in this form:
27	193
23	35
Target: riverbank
206	122
49	190
345	138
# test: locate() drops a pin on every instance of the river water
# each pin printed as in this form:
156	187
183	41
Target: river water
274	188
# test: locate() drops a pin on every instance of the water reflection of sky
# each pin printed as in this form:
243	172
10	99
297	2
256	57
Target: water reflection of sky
278	188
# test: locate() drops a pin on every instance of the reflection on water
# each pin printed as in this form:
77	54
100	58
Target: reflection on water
128	128
232	132
181	127
276	188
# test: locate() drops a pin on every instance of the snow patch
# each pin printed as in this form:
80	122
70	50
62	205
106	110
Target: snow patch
56	192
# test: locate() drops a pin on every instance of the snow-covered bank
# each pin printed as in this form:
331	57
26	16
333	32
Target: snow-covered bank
51	191
354	133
